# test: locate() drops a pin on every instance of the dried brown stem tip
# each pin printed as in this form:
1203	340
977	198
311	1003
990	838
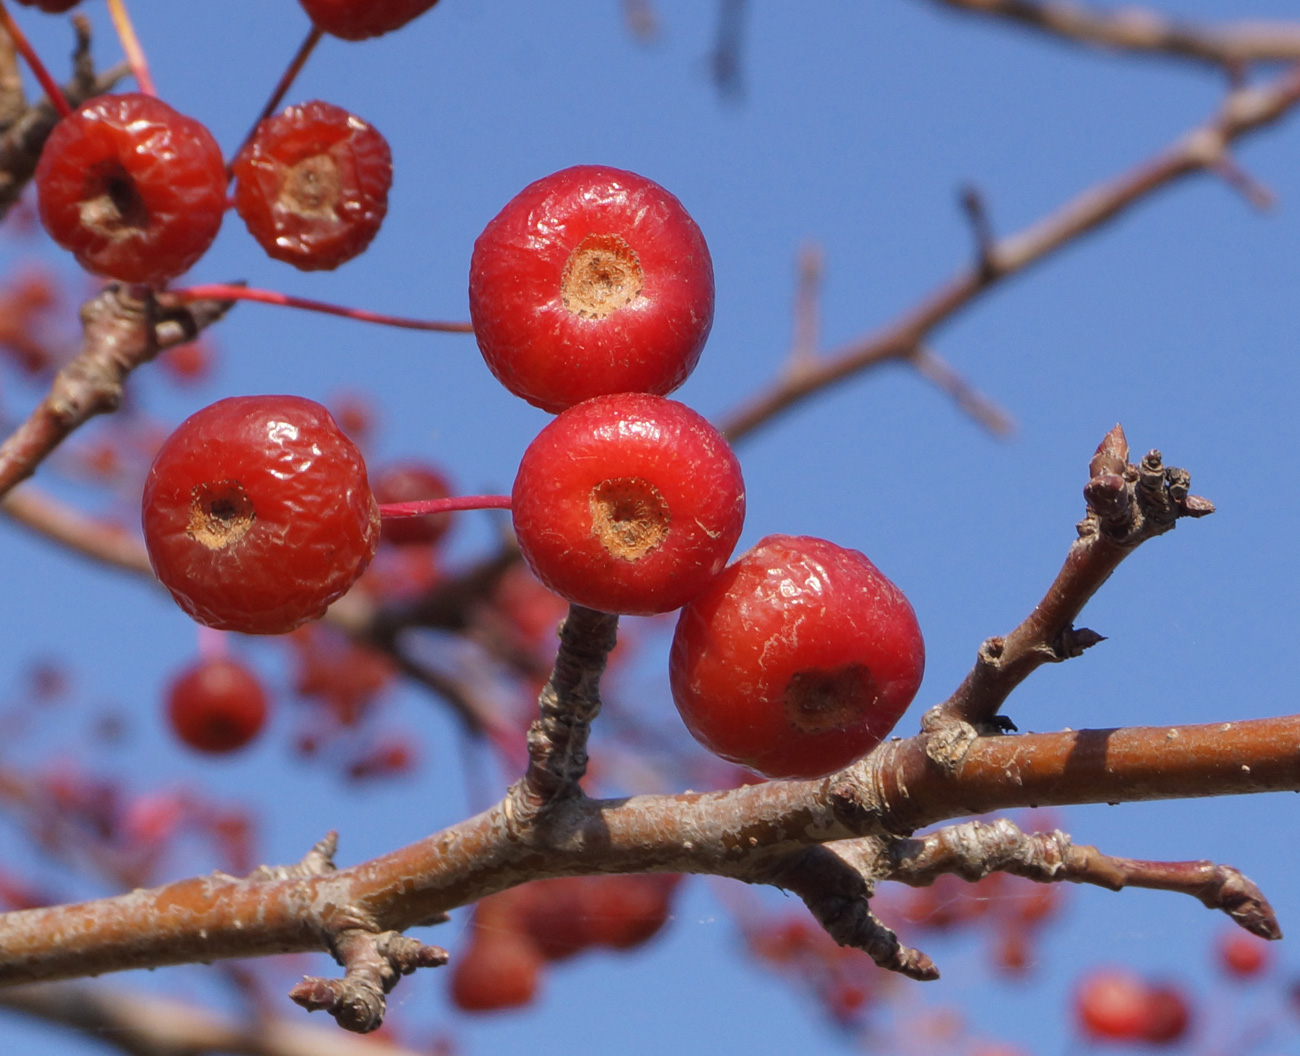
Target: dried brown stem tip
1126	506
373	963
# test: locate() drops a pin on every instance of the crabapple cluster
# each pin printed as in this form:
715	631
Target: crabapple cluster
592	296
517	933
137	192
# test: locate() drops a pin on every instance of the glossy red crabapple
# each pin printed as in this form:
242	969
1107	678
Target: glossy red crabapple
217	705
798	659
257	513
135	190
359	19
628	503
590	281
312	185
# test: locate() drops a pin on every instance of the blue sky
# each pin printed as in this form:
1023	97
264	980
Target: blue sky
857	126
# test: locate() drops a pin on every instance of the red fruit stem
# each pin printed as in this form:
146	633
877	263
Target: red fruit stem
131	46
230	292
286	81
451	504
29	55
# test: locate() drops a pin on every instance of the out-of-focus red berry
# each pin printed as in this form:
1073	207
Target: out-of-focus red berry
389	758
412	482
189	363
1113	1004
1243	954
312	185
135	190
1168	1016
217	706
499	969
53	7
359	19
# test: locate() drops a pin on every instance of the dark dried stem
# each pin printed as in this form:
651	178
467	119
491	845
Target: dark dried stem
569	703
973	849
1126	505
120	331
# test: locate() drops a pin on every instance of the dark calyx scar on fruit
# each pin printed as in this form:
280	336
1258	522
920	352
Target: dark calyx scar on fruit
629	516
258	513
818	700
220	513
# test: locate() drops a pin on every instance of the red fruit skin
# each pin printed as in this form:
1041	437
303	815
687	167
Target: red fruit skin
499	969
312	185
594	449
796	618
216	706
133	189
298	486
413	482
359	19
52	7
1242	954
1168	1016
1113	1004
554	354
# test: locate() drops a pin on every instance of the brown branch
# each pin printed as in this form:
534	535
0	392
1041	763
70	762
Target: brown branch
973	849
119	332
144	1025
895	790
1126	505
569	703
1230	45
1245	110
91	537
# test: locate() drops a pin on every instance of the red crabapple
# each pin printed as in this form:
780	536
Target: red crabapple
499	969
1113	1003
52	7
628	503
1243	954
358	19
798	659
312	185
133	189
591	281
257	513
412	482
217	705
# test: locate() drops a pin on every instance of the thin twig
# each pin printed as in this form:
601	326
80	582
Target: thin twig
1244	110
1145	30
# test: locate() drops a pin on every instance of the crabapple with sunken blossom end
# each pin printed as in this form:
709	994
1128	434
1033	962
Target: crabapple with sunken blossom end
590	281
258	514
628	503
797	660
135	190
312	185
